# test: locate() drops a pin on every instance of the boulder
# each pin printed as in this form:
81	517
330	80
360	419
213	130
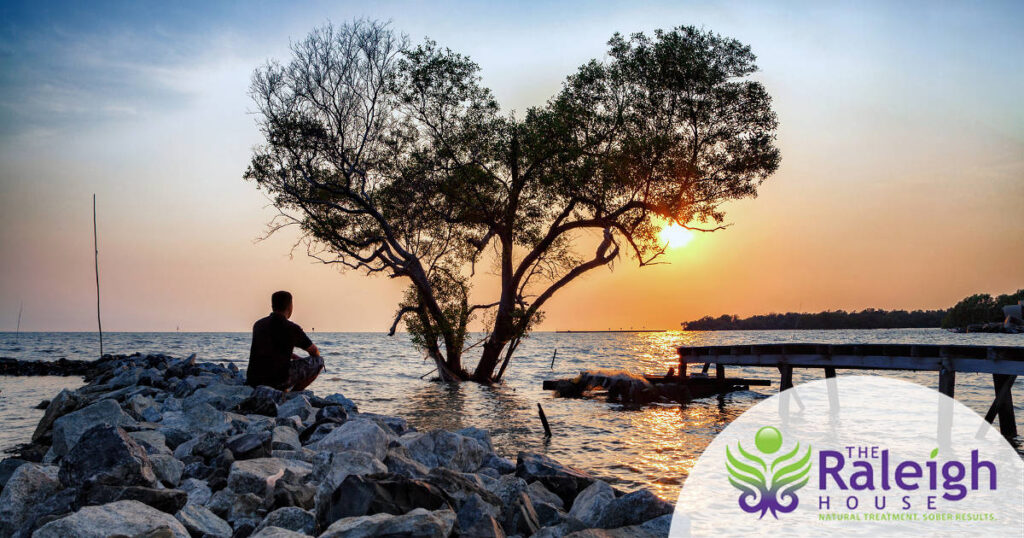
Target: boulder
483	436
262	401
7	468
198	491
285	438
459	487
394	425
498	464
167	469
65	402
290	518
540	494
392	494
633	509
520	517
507	488
444	448
592	503
140	403
399	461
340	399
418	522
106	454
153	441
297	406
57	505
199	521
330	469
250	445
218	395
259	475
356	434
335	413
479	518
300	495
29	484
562	480
277	532
548	514
126	518
70	427
246	507
165	500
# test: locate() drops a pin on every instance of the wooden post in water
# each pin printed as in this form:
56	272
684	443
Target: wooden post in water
1003	404
544	421
786	372
96	258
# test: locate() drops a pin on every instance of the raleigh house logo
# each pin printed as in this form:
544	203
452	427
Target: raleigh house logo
768	487
854	456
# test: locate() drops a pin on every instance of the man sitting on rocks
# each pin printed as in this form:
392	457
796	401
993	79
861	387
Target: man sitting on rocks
271	361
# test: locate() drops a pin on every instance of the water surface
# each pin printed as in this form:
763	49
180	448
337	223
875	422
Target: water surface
653	446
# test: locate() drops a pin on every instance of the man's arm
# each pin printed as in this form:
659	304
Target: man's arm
313	350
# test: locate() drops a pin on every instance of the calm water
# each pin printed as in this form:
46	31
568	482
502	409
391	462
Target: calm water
653	446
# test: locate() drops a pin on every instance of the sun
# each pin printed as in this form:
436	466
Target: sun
676	236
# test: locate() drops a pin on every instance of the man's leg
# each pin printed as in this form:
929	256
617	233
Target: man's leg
304	371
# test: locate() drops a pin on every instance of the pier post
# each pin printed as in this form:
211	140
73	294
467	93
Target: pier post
787	377
947	378
1003	404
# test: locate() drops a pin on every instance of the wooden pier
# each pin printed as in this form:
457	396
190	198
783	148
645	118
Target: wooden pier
1004	363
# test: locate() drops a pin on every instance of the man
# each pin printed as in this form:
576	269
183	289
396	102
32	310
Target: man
271	361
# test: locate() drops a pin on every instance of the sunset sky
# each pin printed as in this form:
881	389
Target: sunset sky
901	184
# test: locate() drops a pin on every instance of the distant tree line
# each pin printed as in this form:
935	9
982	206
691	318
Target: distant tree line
981	308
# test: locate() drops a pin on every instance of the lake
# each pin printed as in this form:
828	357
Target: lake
653	446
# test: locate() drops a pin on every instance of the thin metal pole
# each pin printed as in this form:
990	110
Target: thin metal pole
96	249
17	332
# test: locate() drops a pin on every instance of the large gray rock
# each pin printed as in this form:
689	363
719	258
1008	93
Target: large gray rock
218	395
540	494
291	518
153	441
479	518
201	417
29	485
106	455
198	491
259	475
356	434
459	486
65	402
520	517
277	532
400	462
340	399
507	488
633	509
199	521
445	449
418	522
285	438
297	406
126	518
590	505
167	469
392	424
562	480
70	427
332	468
481	435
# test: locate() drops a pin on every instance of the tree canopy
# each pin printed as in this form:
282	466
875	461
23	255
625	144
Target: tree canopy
393	158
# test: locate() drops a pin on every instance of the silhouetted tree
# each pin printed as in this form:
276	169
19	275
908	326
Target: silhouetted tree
393	159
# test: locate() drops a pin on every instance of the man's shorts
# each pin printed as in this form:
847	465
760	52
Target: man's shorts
301	371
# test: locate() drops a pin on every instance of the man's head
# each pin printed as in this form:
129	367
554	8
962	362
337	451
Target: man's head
281	302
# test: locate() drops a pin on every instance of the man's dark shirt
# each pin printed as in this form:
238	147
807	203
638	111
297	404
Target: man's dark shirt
273	340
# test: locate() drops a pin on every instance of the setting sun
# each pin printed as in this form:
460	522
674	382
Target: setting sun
676	236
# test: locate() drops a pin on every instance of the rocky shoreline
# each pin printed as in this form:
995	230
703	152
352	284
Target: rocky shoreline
156	446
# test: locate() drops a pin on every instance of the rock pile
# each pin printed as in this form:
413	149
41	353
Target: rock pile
157	446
